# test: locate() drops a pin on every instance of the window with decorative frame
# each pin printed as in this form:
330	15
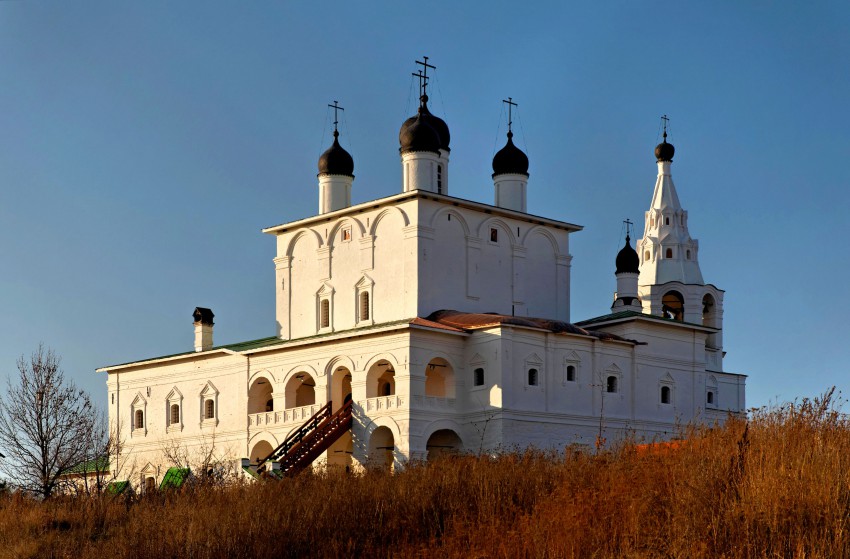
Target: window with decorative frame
208	399
138	414
571	367
666	390
174	411
324	308
363	291
534	370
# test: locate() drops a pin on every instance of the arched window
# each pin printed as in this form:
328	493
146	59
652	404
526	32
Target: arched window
478	377
325	313
571	373
140	419
364	305
665	394
150	484
386	389
688	254
709	397
209	409
652	221
532	377
175	414
673	305
667	221
439	179
646	256
270	405
668	253
611	384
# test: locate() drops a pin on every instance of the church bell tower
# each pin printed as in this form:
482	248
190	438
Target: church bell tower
670	282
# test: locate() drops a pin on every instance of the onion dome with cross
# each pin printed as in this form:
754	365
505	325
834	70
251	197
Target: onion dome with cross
424	132
335	160
510	159
664	151
628	261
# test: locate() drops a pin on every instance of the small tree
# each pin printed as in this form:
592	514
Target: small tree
45	423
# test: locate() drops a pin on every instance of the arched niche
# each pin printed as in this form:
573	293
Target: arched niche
380	379
260	396
439	379
300	390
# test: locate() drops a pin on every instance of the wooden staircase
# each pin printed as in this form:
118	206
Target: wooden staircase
309	441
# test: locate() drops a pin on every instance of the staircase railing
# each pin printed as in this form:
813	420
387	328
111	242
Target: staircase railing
307	442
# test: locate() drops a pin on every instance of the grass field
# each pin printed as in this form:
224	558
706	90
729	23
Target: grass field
777	485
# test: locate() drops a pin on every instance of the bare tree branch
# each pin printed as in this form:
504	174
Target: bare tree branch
46	425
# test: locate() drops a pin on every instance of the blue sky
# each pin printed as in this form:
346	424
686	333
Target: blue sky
143	145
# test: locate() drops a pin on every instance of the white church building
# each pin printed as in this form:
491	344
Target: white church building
420	324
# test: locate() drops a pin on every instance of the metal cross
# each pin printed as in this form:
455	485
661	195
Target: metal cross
664	121
336	109
511	105
424	79
628	223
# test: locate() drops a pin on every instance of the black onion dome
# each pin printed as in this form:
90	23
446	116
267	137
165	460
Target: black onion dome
510	159
628	261
438	124
664	151
335	160
418	134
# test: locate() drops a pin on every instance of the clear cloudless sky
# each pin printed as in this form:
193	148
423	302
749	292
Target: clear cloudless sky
143	145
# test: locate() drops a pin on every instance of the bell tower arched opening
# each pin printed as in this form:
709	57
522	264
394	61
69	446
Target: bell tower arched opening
673	306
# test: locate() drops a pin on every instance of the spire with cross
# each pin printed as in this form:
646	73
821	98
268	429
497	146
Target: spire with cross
664	121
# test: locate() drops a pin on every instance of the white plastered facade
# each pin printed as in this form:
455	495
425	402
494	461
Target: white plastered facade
354	290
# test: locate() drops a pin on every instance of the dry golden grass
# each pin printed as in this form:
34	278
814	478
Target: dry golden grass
776	486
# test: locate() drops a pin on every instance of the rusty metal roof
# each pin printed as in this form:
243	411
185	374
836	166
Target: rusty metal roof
474	321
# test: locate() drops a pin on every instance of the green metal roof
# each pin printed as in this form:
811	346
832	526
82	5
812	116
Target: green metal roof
174	478
89	466
267	342
117	487
634	314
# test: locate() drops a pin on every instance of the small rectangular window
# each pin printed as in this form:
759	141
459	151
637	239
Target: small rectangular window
532	377
364	305
494	235
346	234
571	373
325	314
478	378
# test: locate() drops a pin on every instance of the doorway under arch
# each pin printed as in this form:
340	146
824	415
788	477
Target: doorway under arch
260	450
442	444
340	387
382	449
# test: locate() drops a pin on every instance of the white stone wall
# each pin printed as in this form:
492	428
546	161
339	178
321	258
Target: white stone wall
415	256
